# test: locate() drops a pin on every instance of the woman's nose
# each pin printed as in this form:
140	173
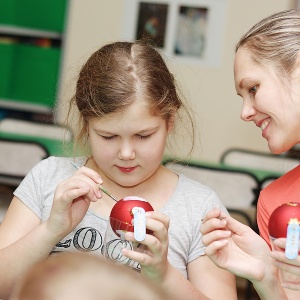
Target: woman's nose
248	112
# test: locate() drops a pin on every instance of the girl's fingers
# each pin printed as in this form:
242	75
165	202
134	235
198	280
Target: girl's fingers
80	181
91	177
158	224
140	257
78	192
90	173
158	216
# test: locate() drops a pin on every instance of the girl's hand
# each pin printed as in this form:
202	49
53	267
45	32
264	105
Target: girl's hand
234	246
153	261
290	268
72	199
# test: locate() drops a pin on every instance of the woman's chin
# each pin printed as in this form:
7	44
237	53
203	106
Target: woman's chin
278	149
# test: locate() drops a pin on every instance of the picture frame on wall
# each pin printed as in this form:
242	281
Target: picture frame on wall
191	31
151	22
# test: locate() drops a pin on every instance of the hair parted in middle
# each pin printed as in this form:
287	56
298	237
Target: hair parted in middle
118	74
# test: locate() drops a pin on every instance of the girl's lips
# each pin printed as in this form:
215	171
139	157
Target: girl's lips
126	170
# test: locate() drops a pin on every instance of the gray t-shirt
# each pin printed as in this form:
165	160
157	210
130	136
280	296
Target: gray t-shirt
186	207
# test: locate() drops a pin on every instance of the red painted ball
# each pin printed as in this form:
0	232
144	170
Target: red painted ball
280	218
122	211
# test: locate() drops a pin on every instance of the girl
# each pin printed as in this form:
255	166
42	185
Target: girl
127	103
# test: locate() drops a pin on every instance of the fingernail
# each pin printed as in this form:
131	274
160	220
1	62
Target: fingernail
223	222
128	235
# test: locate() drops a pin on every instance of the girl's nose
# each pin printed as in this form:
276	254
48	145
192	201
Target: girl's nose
126	151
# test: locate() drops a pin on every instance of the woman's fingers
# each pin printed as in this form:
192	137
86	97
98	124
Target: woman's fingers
214	236
213	248
291	285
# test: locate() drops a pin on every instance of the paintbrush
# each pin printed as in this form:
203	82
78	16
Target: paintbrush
101	188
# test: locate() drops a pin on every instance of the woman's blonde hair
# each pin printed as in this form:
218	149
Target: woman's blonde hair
275	40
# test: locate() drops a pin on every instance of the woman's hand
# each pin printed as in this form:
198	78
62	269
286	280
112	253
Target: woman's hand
290	268
153	261
234	246
72	199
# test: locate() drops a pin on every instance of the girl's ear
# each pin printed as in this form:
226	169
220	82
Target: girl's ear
171	123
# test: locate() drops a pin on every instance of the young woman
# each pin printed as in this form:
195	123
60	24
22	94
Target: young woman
267	77
127	103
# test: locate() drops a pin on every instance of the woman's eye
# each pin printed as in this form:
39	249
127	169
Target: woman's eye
253	89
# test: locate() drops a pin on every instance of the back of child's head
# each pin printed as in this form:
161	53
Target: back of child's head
84	276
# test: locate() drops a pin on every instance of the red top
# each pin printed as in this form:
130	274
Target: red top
282	190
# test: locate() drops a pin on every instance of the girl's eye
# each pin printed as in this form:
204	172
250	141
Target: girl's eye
108	138
144	137
253	89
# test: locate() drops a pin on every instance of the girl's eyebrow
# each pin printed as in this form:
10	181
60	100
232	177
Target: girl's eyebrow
138	132
148	129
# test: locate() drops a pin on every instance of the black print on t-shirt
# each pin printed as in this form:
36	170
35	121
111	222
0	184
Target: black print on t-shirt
90	239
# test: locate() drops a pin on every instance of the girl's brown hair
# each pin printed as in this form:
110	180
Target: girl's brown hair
118	74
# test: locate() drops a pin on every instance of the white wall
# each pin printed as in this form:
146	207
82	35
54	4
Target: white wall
92	23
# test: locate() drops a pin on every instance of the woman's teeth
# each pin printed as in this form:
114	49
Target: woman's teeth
264	124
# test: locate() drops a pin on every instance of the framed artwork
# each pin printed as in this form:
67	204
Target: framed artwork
191	30
151	22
